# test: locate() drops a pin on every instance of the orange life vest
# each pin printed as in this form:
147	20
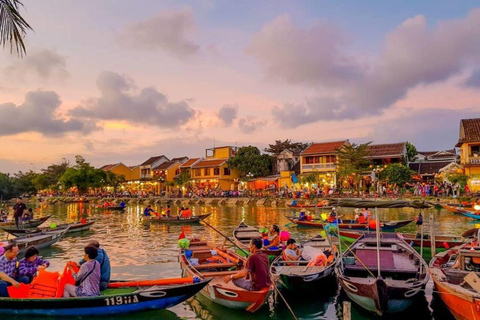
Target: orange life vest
45	285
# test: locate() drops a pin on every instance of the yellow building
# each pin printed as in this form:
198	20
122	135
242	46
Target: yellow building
469	144
121	169
321	158
167	171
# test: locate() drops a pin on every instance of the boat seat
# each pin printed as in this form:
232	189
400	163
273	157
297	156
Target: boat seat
248	235
369	258
218	273
374	269
247	229
214	266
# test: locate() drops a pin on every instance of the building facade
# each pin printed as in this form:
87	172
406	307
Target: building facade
469	144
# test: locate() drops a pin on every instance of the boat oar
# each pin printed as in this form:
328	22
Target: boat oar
272	280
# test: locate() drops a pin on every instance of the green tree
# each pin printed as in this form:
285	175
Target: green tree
13	27
7	186
352	162
113	180
83	176
249	161
279	146
455	177
25	182
411	151
398	174
311	177
50	176
183	178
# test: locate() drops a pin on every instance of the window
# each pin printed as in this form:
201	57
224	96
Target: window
177	172
216	171
475	149
226	171
198	172
206	171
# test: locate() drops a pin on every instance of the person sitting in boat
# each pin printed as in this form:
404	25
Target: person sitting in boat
255	276
291	253
102	258
367	214
31	263
8	265
148	211
122	204
357	214
87	280
303	215
274	238
168	211
332	217
361	218
27	215
3	216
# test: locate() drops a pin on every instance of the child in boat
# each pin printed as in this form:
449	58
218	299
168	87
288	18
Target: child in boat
31	263
292	253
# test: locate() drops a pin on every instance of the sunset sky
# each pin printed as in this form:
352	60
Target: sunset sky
125	80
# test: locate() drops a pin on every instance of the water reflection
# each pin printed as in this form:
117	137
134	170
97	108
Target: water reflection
141	250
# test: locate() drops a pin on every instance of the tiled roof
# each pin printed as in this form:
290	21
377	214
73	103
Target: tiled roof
152	160
428	167
189	163
165	165
324	147
469	131
386	150
109	166
427	153
209	163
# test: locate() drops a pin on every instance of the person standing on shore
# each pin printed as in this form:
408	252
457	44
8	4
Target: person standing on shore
18	210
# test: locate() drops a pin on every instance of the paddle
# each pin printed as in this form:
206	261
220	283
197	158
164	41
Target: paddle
273	282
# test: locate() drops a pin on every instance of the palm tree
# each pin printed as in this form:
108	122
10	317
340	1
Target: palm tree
13	27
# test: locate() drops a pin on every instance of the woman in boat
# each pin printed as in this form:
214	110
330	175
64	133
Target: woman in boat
292	253
27	214
357	214
332	217
274	238
303	215
87	280
31	263
3	216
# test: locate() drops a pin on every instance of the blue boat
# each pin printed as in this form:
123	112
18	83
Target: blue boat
111	302
471	215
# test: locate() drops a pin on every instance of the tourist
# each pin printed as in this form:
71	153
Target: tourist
87	280
361	218
31	263
148	211
27	215
8	265
274	238
18	210
255	276
367	214
357	214
3	216
102	258
168	210
302	216
122	204
419	221
292	253
332	217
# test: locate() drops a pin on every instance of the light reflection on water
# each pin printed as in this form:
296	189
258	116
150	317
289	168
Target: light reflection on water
146	251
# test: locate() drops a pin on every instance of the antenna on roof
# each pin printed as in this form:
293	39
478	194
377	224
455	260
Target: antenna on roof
214	142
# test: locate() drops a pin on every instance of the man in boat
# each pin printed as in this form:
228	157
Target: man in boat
122	204
148	211
256	268
303	215
8	266
18	210
102	258
292	253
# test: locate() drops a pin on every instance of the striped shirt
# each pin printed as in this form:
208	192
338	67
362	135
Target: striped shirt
90	285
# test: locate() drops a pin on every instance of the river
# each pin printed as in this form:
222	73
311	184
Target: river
147	251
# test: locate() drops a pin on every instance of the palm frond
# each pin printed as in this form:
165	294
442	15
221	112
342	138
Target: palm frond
13	27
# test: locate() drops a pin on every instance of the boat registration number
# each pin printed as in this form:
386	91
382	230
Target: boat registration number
116	301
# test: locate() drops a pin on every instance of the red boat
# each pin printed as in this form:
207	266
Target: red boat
448	270
218	266
441	242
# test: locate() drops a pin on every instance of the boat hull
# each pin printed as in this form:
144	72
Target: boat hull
29	224
196	219
72	228
307	283
471	215
353	226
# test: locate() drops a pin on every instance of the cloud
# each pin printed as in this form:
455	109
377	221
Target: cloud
43	63
37	114
413	54
167	31
303	56
474	80
227	114
250	124
116	102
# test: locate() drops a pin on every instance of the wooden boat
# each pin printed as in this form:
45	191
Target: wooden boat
113	301
76	201
473	215
242	235
460	298
351	224
176	219
297	276
441	242
39	240
72	228
225	294
453	209
403	273
371	203
311	206
26	224
111	208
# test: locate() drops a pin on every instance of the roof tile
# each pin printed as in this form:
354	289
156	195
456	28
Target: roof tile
324	147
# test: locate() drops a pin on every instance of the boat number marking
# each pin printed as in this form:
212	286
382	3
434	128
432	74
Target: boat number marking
118	300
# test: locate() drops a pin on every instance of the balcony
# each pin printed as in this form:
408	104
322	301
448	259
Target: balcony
329	166
474	160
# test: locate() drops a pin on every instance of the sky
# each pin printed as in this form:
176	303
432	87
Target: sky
120	81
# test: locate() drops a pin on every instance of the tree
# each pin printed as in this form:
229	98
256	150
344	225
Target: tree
13	27
397	173
50	176
279	146
83	176
7	186
352	162
411	151
249	161
183	178
113	180
455	177
25	182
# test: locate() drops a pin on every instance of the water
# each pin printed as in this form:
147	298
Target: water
147	251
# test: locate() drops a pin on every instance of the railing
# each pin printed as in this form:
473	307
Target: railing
475	160
318	166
